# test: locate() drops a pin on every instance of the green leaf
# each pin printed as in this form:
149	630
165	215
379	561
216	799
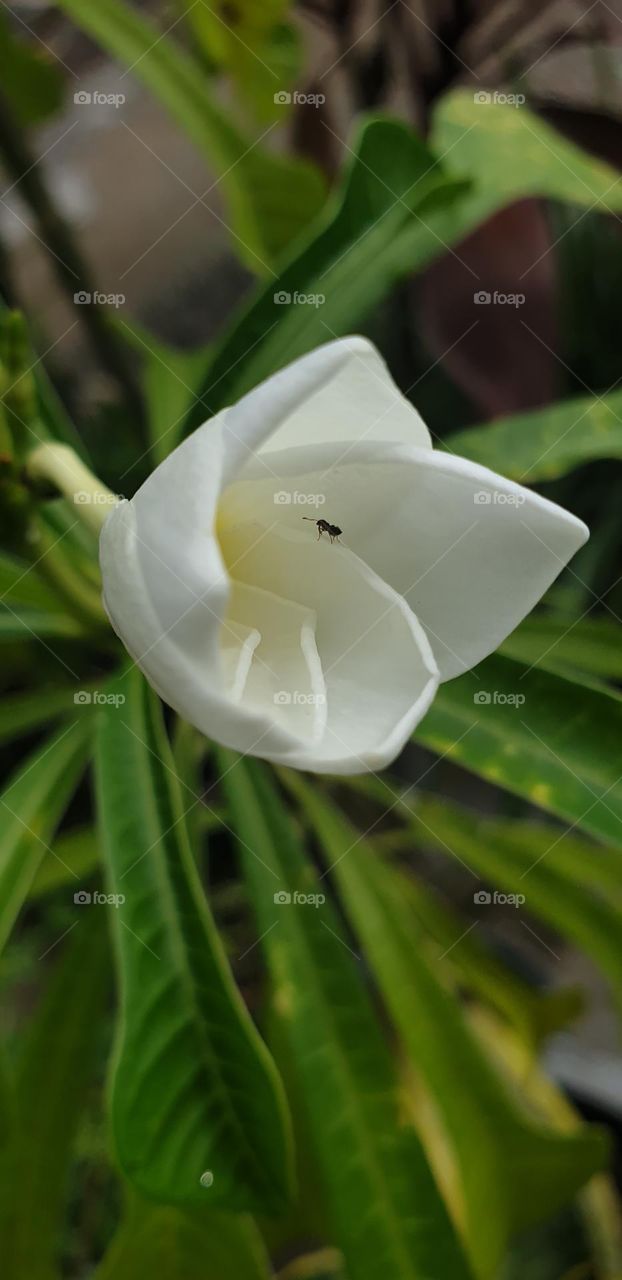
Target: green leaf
194	1090
23	712
271	197
177	1244
591	645
389	1219
375	231
30	79
571	885
170	383
76	856
546	443
20	584
474	967
31	805
514	1172
261	52
28	624
378	230
510	154
60	1050
559	748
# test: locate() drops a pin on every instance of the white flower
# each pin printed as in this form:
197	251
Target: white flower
318	654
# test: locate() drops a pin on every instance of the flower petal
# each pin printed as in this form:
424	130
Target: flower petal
340	393
378	667
284	677
471	551
182	655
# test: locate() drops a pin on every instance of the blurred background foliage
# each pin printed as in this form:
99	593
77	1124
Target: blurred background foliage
413	1082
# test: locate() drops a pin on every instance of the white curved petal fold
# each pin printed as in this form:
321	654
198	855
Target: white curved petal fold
378	668
339	394
284	677
471	552
183	657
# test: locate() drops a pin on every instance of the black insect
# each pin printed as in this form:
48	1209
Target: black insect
323	526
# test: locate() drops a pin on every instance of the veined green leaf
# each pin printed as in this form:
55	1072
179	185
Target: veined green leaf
271	197
513	1171
59	1051
546	443
388	1217
559	748
590	646
178	1244
510	154
376	230
31	805
198	1113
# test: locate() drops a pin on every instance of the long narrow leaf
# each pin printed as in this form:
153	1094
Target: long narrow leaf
553	741
388	1216
197	1107
52	1079
512	1170
31	805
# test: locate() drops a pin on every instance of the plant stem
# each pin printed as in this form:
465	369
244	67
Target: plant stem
60	466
